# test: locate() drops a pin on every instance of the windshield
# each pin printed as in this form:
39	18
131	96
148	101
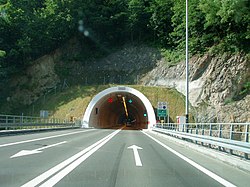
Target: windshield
124	93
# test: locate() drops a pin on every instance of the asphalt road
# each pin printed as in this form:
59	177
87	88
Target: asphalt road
108	158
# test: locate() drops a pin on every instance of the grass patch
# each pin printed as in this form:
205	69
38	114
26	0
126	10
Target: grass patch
70	102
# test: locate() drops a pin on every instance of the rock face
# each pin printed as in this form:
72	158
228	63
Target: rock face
40	78
213	83
214	80
36	80
121	67
124	66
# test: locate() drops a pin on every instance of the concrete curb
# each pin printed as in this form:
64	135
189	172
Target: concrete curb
232	160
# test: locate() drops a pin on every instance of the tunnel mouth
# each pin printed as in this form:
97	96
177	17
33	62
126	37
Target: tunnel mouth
119	107
119	110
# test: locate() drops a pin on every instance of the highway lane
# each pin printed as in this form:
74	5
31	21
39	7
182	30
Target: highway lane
17	171
114	165
109	162
228	172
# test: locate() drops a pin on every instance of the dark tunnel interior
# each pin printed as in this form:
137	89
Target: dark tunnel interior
118	110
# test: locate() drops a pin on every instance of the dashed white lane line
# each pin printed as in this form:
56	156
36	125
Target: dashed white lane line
43	138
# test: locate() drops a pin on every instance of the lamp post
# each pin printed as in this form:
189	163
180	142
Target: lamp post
187	67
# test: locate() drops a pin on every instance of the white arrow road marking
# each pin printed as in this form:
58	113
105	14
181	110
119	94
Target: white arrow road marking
30	152
136	154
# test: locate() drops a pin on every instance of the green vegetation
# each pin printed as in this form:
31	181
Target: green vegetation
29	29
173	57
74	101
60	104
245	89
2	53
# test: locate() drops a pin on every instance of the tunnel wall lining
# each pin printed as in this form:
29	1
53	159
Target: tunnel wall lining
99	96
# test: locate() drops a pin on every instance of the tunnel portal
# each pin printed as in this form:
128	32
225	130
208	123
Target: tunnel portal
117	107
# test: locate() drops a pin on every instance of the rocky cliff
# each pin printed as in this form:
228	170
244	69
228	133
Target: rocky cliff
38	78
215	82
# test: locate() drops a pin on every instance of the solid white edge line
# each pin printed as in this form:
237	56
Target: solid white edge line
53	170
59	176
44	138
194	164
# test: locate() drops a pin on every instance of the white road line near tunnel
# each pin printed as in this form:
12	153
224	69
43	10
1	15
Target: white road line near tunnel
44	138
194	164
68	165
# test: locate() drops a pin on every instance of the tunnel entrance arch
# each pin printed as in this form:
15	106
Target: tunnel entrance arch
117	106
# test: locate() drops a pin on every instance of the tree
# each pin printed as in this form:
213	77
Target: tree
196	26
139	16
160	20
229	20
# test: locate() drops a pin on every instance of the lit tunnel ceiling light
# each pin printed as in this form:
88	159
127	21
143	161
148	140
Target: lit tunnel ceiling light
125	106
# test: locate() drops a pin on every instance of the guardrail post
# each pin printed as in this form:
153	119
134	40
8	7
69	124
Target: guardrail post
246	138
210	129
6	121
247	133
202	132
231	135
220	135
22	120
231	131
196	131
210	133
220	130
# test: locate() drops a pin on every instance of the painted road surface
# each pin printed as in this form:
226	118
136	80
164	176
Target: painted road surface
107	158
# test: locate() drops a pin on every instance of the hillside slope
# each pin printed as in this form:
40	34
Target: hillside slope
216	84
215	81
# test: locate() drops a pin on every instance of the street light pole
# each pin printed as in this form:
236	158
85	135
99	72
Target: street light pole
187	67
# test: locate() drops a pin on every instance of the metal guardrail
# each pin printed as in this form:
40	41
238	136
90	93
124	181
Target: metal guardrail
231	136
12	121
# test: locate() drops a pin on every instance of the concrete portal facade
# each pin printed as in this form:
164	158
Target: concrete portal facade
108	109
